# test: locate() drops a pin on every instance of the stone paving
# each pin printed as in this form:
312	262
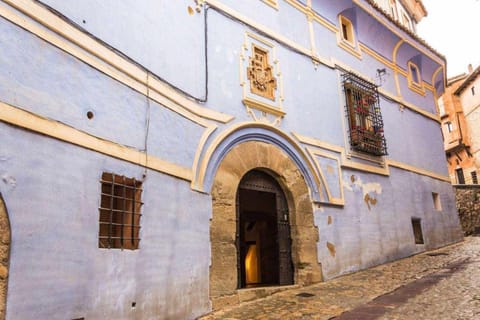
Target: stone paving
441	284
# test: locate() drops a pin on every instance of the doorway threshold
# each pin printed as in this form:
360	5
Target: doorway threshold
248	294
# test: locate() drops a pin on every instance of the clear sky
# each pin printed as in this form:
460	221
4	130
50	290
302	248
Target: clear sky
453	29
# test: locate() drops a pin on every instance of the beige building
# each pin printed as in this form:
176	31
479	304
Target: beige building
460	113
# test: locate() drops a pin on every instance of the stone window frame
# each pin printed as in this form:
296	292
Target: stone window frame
414	78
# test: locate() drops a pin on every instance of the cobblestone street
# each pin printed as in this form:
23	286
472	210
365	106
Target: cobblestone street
441	284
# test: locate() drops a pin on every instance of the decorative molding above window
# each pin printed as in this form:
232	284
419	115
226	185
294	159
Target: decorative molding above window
414	77
365	121
272	3
261	80
346	38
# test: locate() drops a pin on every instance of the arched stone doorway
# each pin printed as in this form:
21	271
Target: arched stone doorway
271	160
263	232
4	256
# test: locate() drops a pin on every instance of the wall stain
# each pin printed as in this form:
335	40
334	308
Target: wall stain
370	201
330	169
370	191
331	249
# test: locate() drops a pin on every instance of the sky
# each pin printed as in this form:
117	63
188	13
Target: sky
453	29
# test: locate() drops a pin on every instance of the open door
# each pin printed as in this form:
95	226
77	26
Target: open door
263	232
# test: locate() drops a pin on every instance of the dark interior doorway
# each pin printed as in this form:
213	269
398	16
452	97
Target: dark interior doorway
263	232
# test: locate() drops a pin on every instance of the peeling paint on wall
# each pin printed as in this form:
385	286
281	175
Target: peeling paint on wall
354	184
9	180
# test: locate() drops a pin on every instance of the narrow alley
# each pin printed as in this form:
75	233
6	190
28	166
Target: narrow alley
441	284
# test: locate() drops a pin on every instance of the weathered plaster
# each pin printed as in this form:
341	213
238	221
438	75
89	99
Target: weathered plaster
56	267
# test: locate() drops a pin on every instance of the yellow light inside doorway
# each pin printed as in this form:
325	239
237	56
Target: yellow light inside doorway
251	265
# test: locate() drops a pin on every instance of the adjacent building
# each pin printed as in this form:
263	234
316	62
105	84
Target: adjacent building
459	111
163	158
469	98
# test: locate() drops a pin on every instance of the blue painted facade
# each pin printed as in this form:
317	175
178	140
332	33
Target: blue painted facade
51	182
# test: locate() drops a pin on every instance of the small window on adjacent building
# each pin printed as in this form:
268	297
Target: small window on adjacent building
473	91
436	201
364	116
474	177
393	9
449	126
119	212
460	176
347	30
417	230
406	21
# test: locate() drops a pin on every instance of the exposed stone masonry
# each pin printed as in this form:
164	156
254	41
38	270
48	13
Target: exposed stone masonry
468	205
4	254
223	271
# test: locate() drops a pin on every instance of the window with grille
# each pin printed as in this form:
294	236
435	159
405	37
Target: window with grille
474	177
364	116
119	212
449	126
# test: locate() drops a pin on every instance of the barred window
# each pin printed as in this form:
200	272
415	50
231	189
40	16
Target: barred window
474	177
119	212
364	116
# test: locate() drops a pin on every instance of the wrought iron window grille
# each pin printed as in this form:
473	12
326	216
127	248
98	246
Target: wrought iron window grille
364	117
119	212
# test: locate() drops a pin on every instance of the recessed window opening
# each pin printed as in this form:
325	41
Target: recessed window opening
441	106
119	212
417	230
347	30
436	201
393	9
460	176
474	177
414	73
473	91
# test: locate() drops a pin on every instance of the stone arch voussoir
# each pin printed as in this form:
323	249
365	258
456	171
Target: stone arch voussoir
237	162
4	256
